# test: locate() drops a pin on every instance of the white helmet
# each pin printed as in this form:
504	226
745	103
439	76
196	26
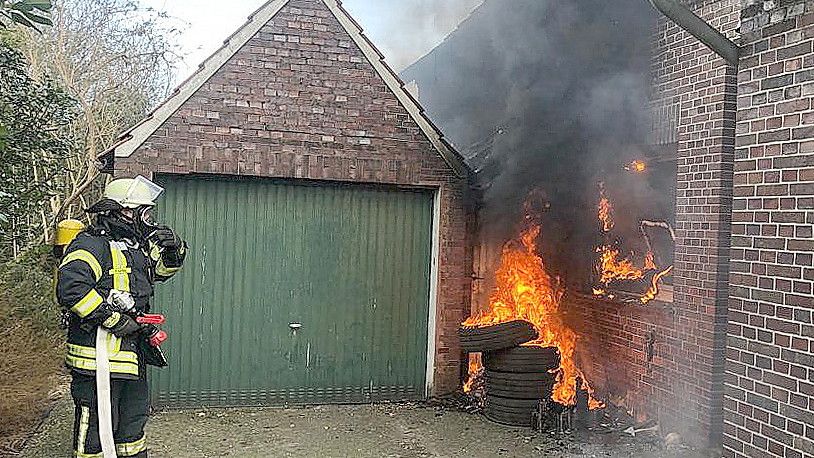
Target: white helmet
133	192
128	193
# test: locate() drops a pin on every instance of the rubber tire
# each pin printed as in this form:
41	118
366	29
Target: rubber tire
496	337
513	412
519	386
523	359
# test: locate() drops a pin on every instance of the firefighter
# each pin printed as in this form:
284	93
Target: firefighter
104	281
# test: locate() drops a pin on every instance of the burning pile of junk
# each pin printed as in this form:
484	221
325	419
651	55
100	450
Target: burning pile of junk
576	172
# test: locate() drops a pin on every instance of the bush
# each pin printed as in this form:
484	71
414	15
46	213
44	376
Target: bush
31	352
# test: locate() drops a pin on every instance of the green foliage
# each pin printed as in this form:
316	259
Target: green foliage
34	140
28	13
27	291
31	353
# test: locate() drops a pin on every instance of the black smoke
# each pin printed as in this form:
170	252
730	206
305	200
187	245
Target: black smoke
550	96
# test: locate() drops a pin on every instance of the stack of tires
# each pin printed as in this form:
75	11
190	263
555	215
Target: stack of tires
517	377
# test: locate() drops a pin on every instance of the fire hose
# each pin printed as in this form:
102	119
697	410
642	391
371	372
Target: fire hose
123	302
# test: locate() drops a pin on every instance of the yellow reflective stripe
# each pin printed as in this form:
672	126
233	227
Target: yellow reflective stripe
88	304
89	455
90	365
114	345
86	257
163	271
132	448
83	431
114	318
120	271
116	354
155	252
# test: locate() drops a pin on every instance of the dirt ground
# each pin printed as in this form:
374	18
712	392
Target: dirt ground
390	430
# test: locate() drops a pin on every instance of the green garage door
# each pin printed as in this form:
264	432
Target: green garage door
295	293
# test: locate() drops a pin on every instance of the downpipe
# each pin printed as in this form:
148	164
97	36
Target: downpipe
699	28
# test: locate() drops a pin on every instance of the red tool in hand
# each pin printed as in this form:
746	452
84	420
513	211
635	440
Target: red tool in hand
156	336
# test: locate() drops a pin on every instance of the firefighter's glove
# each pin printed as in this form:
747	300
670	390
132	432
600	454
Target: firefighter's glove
121	325
167	238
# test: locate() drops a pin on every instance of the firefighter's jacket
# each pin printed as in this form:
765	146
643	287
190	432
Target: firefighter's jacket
93	264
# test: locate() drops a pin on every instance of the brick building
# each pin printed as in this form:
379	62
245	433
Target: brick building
298	112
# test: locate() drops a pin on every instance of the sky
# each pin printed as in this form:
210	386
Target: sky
403	30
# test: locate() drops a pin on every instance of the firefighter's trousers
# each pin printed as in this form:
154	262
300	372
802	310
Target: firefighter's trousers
130	405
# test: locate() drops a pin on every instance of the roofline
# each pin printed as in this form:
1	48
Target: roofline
129	141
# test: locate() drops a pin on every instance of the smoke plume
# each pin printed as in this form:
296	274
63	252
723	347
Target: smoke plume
406	29
556	94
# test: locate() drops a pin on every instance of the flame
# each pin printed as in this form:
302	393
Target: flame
612	268
475	370
650	261
637	166
605	209
609	265
525	291
654	285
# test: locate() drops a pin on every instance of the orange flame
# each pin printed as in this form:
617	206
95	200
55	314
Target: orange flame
605	209
637	166
650	261
525	291
654	285
609	265
612	268
475	368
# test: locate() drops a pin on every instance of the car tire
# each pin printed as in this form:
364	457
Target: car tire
528	359
496	337
514	385
512	412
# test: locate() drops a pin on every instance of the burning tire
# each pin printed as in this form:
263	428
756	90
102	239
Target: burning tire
496	337
523	359
512	412
514	385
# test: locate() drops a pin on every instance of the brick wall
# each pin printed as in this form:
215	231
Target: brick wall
770	368
681	383
299	100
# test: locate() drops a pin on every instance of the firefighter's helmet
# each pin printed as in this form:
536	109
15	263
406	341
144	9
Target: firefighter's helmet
127	193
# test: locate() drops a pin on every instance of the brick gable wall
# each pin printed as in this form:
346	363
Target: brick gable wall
300	101
769	404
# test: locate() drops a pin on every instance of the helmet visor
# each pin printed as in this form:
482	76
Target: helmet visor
143	192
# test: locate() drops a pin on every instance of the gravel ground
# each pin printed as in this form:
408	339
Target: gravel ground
389	430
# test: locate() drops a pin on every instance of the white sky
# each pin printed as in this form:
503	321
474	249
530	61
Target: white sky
402	29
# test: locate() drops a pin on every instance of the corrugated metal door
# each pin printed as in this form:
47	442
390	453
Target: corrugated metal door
295	293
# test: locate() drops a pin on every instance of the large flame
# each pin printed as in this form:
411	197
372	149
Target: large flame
525	291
